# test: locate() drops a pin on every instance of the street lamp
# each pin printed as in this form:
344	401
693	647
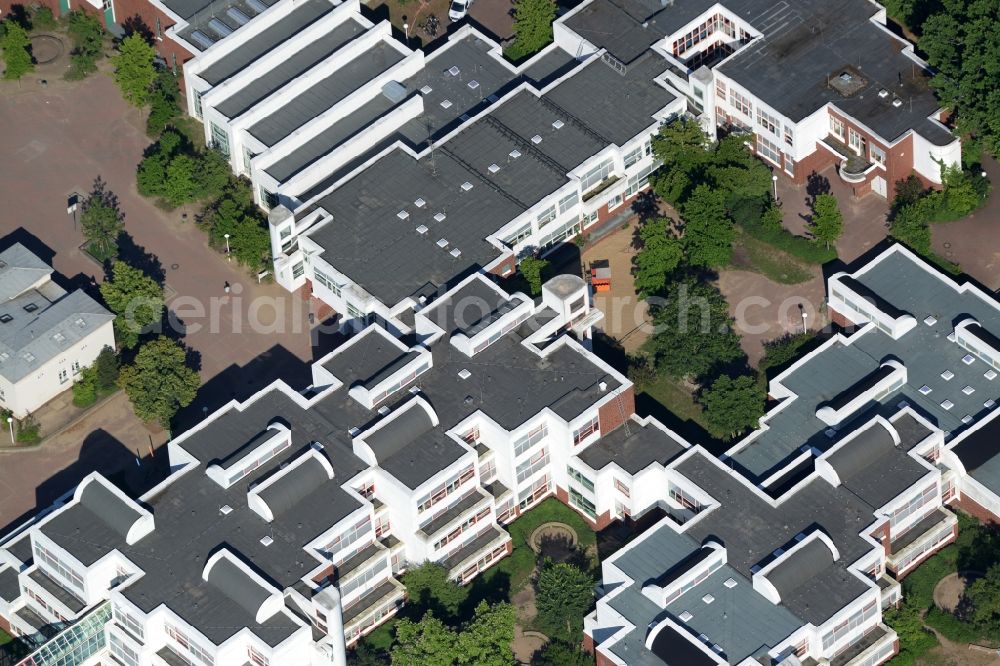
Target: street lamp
226	236
10	426
774	182
406	33
805	327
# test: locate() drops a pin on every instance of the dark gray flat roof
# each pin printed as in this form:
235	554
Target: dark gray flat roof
618	26
324	94
874	469
554	64
293	66
633	451
10	589
367	356
255	47
71	601
614	106
468	309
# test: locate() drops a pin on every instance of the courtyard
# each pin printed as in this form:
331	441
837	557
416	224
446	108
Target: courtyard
58	136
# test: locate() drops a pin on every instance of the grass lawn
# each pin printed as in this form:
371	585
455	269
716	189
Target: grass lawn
755	255
5	637
675	397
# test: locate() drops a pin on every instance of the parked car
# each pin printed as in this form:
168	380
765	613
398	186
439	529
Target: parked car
459	8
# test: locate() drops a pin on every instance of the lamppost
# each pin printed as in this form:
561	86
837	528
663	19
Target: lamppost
406	33
228	256
805	326
10	426
774	182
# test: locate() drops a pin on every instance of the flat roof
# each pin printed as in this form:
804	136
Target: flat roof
468	309
288	69
325	93
633	450
253	48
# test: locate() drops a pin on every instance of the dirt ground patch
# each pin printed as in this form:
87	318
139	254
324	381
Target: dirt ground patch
626	317
949	589
525	644
957	654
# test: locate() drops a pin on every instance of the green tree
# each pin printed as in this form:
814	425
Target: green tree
159	382
429	588
909	226
565	593
827	220
249	240
659	255
425	643
694	332
708	232
213	174
683	149
136	299
87	34
106	370
733	404
134	70
486	641
102	222
151	176
43	19
181	185
561	653
983	598
164	104
960	41
85	387
533	270
16	51
532	26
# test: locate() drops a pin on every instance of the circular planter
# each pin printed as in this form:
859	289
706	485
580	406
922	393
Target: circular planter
46	48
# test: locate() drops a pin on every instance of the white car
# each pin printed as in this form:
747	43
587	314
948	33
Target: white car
459	8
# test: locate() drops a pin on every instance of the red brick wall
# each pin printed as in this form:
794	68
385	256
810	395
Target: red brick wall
884	533
505	265
611	414
975	509
839	319
817	161
5	625
588	643
603	660
5	5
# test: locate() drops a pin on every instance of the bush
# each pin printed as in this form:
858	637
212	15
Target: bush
780	351
763	222
42	19
565	594
85	388
951	627
28	430
87	34
533	270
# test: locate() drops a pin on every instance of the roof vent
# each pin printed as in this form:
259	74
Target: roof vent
473	84
930	320
968	359
455	253
454	71
830	433
30	307
446	104
5	318
990	404
883	93
80	322
968	390
558	124
59	337
603	386
28	356
925	389
685	617
225	510
967	419
730	583
383	410
353	432
402	215
947	404
902	404
536	139
515	153
947	375
494	167
266	541
897	102
990	374
419	202
464	374
442	243
439	217
708	598
466	186
426	90
421	229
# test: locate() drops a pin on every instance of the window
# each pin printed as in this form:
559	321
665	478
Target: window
75	365
63	375
533	464
586	430
269	199
128	622
442	491
768	150
854	140
546	216
121	651
616	201
326	281
913	506
633	156
590	219
220	140
173	63
789	136
740	103
159	31
199	653
62	570
877	154
298	270
519	235
622	488
342	547
858	619
639	180
487	471
535	435
580	478
582	503
720	89
596	175
535	493
767	121
256	656
837	127
568	202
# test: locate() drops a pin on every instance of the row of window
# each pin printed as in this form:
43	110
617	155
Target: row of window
62	570
400	383
842	630
586	430
533	464
483	562
538	490
326	281
442	491
597	175
716	23
582	503
132	625
259	461
343	545
532	437
499	333
714	565
122	651
364	578
914	506
580	478
465	526
180	638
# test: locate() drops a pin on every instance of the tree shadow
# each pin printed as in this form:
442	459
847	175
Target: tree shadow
134	25
138	257
492	587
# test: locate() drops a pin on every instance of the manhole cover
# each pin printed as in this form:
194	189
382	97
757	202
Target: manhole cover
174	267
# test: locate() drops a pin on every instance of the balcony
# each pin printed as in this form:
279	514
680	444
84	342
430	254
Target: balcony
61	594
853	168
389	591
600	187
924	537
875	641
487	541
464	505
